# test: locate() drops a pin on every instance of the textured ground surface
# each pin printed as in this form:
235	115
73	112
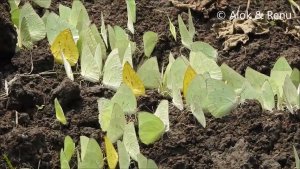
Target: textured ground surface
248	138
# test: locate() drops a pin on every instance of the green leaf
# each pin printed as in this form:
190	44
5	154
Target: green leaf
151	127
172	29
150	39
117	124
43	3
204	48
60	116
69	148
149	73
130	141
124	158
186	38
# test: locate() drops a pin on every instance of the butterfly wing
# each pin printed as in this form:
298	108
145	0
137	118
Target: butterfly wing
132	80
64	42
112	73
221	98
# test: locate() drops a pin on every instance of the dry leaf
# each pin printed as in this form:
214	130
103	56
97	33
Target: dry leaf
203	6
233	40
236	31
294	31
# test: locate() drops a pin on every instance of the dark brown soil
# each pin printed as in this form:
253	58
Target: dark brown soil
8	34
248	138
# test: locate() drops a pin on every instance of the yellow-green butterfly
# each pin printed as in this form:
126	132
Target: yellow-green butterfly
151	127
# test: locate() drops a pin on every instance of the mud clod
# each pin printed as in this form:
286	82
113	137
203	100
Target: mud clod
66	92
22	95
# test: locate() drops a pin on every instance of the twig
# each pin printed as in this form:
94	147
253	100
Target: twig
181	5
248	5
31	60
6	87
3	96
17	118
293	3
9	165
47	73
293	6
39	164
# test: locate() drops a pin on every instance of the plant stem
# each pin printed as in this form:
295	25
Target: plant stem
9	165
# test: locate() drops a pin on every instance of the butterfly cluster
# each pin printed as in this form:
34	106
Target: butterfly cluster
195	83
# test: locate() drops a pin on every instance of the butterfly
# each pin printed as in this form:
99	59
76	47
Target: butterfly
132	80
64	43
